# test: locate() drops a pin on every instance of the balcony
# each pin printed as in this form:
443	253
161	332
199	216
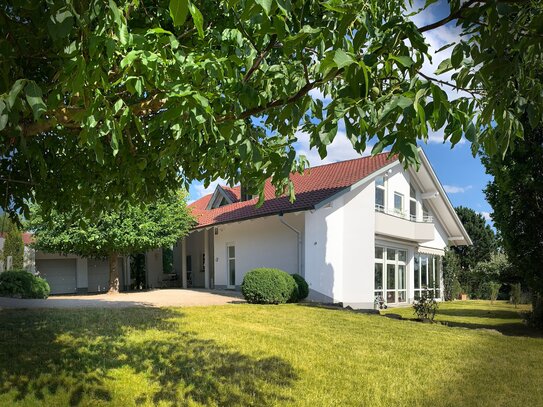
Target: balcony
403	226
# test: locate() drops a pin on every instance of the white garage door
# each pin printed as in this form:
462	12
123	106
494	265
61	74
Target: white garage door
99	275
59	273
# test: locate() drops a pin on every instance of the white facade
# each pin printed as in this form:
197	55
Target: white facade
338	241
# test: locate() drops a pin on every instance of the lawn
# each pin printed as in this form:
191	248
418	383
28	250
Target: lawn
259	355
501	316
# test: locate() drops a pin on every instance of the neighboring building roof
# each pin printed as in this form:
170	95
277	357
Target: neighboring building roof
27	238
314	186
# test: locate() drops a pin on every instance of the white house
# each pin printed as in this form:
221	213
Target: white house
358	229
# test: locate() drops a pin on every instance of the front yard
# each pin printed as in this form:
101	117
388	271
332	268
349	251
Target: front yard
260	355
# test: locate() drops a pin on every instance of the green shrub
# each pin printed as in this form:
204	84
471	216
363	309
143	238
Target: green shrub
516	294
494	290
303	287
426	307
269	286
15	283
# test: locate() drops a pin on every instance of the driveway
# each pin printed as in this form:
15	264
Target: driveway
153	298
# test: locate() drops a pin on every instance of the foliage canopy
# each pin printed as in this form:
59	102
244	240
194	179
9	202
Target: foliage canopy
103	102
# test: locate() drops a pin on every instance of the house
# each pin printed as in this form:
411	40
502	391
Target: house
357	229
28	256
72	274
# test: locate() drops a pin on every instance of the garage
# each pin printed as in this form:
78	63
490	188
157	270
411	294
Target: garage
59	273
99	275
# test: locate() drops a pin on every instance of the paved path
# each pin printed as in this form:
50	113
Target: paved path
153	298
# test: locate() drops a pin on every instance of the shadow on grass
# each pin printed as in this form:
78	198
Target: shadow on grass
76	354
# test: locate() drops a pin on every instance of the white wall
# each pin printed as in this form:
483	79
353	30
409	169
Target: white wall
261	242
359	246
324	252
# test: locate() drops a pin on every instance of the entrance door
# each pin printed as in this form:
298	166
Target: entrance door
231	265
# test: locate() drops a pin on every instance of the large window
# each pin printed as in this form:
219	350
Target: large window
380	193
390	274
398	203
412	203
427	273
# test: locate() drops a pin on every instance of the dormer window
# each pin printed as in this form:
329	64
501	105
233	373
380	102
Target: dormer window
219	198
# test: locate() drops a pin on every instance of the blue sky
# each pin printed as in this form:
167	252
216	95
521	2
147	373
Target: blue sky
462	175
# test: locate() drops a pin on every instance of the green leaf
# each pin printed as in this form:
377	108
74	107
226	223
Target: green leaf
34	97
3	115
265	4
457	55
179	10
403	60
60	24
444	66
198	19
342	59
14	92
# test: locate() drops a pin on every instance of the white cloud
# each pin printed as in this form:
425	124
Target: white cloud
453	189
340	149
196	191
486	215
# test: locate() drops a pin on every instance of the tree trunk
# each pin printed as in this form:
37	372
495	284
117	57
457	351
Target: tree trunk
113	274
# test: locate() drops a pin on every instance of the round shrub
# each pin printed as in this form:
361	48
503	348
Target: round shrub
21	283
303	287
268	286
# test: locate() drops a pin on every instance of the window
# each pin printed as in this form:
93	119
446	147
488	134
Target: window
398	202
380	193
425	213
390	274
412	203
231	254
427	275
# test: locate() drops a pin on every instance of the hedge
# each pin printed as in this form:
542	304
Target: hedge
21	283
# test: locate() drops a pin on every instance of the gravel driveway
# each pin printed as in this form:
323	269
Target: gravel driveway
153	298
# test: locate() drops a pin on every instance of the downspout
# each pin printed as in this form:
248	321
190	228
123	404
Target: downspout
299	238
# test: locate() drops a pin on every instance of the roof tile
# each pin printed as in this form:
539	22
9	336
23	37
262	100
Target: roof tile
312	187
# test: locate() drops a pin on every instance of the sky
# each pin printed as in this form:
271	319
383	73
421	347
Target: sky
463	176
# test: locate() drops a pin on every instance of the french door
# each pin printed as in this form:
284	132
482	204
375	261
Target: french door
390	274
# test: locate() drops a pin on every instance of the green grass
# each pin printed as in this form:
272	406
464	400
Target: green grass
501	316
258	355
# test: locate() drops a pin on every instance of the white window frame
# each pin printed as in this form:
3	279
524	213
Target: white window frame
436	271
228	258
400	211
378	207
384	291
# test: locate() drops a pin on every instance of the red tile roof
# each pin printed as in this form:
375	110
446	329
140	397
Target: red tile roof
311	188
27	237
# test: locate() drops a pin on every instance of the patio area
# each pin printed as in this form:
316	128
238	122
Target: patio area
151	298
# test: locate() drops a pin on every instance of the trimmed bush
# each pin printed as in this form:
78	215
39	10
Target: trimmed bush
303	287
269	286
21	283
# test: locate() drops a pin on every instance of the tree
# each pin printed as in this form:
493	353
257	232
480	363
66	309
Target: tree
107	102
131	230
451	271
482	235
480	278
516	197
13	243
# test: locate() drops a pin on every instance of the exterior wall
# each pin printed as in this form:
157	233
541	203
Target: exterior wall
359	247
195	249
323	252
262	242
153	262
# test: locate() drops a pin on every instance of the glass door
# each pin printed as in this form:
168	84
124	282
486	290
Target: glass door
231	265
390	274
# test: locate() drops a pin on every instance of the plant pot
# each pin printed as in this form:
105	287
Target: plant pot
463	297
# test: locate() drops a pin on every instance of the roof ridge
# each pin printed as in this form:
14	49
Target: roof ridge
350	159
